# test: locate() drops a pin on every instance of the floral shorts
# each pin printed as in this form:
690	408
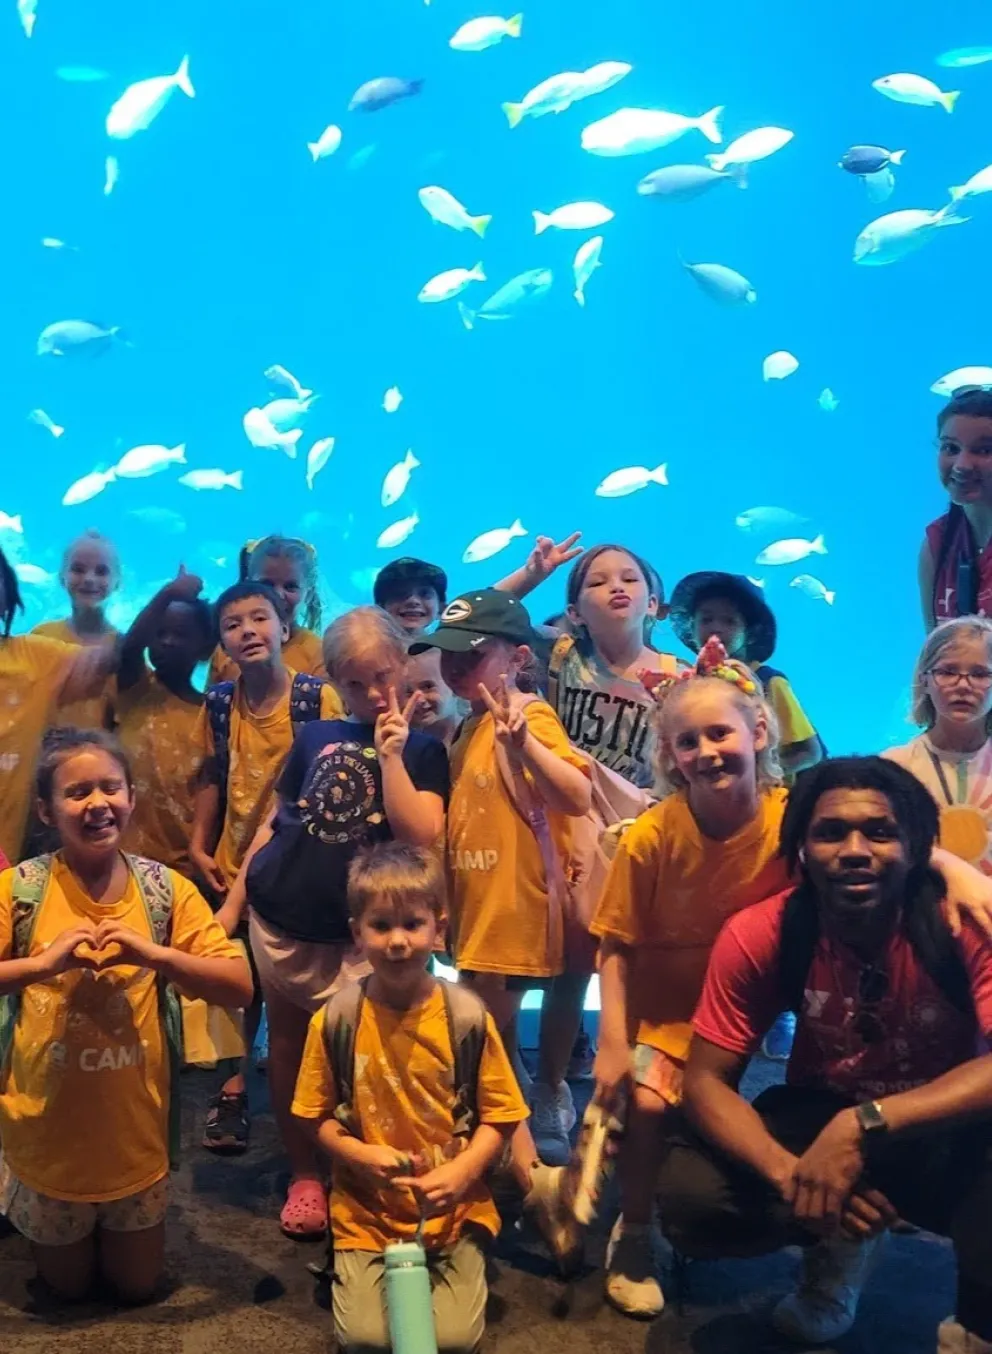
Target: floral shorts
61	1222
659	1072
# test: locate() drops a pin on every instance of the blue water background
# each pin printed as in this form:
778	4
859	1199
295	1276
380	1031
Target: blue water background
224	249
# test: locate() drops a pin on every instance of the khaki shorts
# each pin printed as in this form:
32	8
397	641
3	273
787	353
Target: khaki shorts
303	972
62	1222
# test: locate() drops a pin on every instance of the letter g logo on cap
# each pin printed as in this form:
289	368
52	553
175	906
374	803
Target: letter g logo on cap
458	610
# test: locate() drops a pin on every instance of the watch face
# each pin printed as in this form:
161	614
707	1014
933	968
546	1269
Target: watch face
870	1117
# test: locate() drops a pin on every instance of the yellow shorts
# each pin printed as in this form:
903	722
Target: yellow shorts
62	1222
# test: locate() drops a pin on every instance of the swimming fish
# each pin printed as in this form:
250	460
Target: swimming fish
448	284
522	290
478	34
604	75
381	92
791	550
50	242
281	379
392	400
722	283
751	147
326	144
681	183
978	183
398	532
43	421
361	157
573	216
141	103
619	483
212	479
869	159
164	519
394	485
286	414
150	459
111	173
442	207
260	433
777	366
905	87
33	575
82	490
81	75
560	91
963	376
8	523
27	12
492	542
812	587
827	400
585	264
317	457
964	56
880	186
889	238
769	519
632	131
75	338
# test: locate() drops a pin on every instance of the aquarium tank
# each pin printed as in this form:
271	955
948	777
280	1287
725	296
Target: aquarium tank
498	257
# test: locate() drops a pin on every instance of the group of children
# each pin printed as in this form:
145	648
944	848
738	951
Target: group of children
420	779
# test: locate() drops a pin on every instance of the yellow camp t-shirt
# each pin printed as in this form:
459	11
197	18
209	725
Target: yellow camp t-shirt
302	652
84	1106
96	712
793	724
257	748
158	731
404	1098
31	671
498	895
668	893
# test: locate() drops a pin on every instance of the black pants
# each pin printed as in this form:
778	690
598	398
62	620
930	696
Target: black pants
713	1206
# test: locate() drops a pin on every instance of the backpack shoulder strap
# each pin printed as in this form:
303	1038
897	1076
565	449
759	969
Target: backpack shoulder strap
669	664
560	650
219	700
157	894
304	699
342	1015
765	674
30	882
466	1014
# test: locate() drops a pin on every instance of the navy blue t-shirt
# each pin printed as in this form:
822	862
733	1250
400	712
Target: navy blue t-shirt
330	805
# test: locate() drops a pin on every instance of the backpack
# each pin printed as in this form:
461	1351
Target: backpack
155	887
765	674
304	707
466	1016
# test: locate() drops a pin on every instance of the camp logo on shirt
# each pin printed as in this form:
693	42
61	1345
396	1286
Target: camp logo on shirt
340	798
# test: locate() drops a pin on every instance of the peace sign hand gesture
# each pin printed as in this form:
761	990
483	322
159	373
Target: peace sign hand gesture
547	555
392	729
507	709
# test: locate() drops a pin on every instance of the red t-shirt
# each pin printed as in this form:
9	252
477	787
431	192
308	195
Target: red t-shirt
926	1034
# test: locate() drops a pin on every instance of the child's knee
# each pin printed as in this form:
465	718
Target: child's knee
648	1104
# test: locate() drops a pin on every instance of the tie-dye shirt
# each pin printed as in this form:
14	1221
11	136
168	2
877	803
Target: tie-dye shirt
961	783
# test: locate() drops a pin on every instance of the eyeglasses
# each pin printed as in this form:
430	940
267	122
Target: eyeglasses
873	988
946	676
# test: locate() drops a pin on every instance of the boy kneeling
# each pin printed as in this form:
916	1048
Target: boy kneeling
408	1090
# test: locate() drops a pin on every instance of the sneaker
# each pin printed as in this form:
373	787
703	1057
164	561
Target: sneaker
631	1281
824	1306
228	1124
566	1106
583	1057
777	1043
952	1338
546	1206
547	1126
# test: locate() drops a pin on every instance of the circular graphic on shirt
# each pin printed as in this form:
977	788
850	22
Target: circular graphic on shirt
340	799
964	832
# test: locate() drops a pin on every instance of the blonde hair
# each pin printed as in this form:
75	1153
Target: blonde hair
254	553
394	873
361	631
93	537
752	705
924	712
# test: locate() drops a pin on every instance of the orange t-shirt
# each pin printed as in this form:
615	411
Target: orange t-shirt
668	893
498	895
84	1105
404	1098
302	652
95	712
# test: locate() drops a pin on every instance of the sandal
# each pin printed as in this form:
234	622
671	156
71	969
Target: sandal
304	1214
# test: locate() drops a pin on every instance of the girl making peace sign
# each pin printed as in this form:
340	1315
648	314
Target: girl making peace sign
347	783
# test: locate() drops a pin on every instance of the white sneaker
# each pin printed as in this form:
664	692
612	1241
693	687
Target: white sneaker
952	1338
547	1126
825	1304
566	1106
631	1282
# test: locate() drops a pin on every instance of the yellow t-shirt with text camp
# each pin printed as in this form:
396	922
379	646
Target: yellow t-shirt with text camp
257	748
95	712
404	1098
158	732
84	1106
31	670
668	893
498	897
302	652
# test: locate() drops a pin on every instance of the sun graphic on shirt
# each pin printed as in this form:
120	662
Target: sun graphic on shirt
966	828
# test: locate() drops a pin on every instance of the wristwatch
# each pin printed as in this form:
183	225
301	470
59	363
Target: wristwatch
871	1120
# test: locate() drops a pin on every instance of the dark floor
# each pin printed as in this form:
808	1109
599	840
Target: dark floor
240	1287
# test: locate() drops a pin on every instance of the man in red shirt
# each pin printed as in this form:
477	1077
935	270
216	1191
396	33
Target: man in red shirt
887	1108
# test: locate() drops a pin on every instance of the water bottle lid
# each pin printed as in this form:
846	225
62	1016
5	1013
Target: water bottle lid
403	1254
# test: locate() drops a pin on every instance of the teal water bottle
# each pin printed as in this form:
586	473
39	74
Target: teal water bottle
408	1299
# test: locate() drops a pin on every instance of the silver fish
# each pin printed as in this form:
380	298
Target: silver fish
522	290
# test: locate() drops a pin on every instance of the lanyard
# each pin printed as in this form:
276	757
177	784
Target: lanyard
938	767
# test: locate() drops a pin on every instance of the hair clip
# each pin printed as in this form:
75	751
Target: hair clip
711	662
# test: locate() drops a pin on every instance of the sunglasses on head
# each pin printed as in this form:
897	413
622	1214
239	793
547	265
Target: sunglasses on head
873	988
